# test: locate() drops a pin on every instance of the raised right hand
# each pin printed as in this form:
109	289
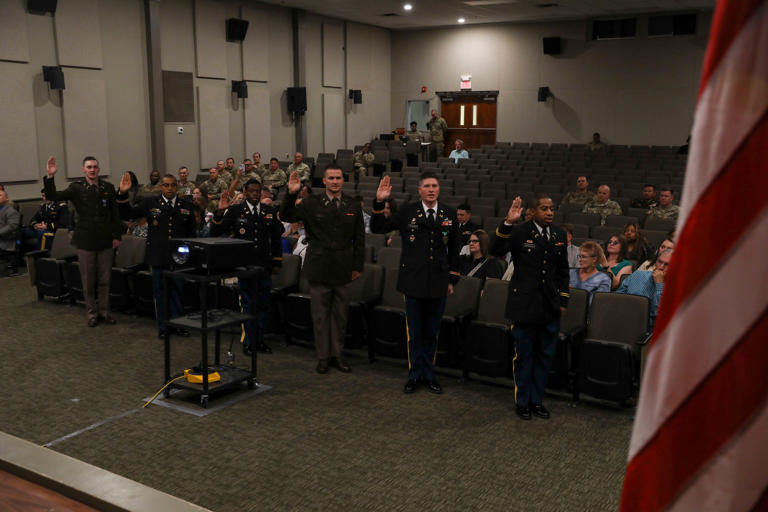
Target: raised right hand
224	201
382	193
294	183
515	211
125	183
51	167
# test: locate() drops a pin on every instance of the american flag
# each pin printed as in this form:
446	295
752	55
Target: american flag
700	438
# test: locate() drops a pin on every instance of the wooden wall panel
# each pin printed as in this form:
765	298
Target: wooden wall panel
84	109
78	34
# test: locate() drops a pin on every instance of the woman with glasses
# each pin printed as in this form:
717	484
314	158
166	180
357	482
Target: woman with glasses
478	263
616	261
637	246
587	277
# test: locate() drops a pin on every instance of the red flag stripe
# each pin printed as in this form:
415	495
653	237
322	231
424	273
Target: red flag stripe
701	427
737	479
726	23
735	99
674	368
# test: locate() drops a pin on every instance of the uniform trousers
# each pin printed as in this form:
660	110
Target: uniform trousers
535	346
174	297
438	148
254	294
95	273
330	305
423	318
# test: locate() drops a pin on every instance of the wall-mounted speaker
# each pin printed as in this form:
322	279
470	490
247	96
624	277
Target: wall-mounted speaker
41	6
236	29
240	87
54	76
551	45
296	99
543	93
356	95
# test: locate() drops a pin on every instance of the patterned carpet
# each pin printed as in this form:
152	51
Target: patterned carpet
313	442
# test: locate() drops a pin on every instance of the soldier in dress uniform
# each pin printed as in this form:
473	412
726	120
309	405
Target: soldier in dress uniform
665	209
335	257
168	216
429	268
49	217
257	222
538	297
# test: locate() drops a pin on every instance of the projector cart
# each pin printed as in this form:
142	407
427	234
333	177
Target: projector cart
207	320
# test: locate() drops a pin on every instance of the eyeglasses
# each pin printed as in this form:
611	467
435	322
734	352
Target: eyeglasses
474	241
582	256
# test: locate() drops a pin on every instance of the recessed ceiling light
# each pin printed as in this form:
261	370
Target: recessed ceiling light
461	20
407	7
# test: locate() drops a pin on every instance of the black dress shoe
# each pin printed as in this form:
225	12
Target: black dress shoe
263	347
322	366
434	387
540	411
247	350
340	365
410	386
523	411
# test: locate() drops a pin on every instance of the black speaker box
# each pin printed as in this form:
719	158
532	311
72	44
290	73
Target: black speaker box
236	29
240	87
551	45
41	6
358	99
543	93
296	99
54	76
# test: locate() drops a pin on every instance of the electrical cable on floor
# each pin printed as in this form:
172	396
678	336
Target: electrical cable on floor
161	390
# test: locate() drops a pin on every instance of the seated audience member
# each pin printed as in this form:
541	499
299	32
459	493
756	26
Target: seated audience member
596	144
581	195
224	174
649	283
49	217
666	209
10	221
203	212
363	162
466	226
587	276
390	208
292	232
638	248
414	134
153	187
257	163
186	187
648	200
298	165
138	228
459	152
243	174
366	215
478	263
573	250
230	166
602	204
274	178
134	187
214	186
650	264
616	261
266	197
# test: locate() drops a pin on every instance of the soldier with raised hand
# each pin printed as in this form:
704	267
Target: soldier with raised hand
335	257
97	232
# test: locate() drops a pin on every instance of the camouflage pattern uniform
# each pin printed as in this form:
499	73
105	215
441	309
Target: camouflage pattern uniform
214	189
361	162
437	129
577	197
604	209
276	179
670	212
305	173
148	189
415	135
226	176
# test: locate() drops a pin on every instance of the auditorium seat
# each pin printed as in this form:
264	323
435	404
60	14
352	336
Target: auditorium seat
285	281
657	224
604	232
389	257
590	219
609	363
488	343
388	336
46	267
128	260
619	220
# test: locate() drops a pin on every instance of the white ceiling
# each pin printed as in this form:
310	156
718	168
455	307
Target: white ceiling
438	13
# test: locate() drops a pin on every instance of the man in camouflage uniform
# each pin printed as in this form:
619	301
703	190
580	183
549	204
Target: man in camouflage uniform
244	174
230	166
260	167
274	177
305	173
665	209
581	196
603	204
224	174
153	187
437	131
362	161
214	187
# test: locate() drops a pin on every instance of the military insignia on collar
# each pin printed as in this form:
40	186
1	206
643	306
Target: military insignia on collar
412	238
420	215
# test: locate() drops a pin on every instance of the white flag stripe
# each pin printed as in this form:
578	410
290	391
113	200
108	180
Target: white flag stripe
734	100
736	477
702	331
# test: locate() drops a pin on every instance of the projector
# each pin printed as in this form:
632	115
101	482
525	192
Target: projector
211	254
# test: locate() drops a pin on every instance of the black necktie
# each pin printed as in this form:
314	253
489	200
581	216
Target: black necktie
545	233
431	216
335	202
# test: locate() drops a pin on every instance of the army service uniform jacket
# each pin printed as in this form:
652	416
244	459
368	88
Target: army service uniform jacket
164	221
260	226
430	254
54	214
539	285
336	236
98	220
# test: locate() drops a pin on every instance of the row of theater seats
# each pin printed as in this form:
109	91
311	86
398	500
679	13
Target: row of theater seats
599	351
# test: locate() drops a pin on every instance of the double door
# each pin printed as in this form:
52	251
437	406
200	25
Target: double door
471	117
